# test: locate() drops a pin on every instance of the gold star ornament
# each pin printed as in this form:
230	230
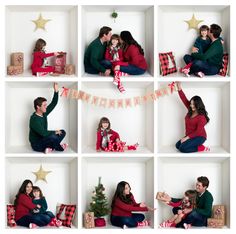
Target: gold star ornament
193	23
40	22
41	174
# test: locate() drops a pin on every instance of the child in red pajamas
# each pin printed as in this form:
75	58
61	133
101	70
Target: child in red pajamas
38	66
180	208
106	134
114	54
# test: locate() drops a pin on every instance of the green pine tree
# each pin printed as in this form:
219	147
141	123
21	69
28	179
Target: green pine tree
99	204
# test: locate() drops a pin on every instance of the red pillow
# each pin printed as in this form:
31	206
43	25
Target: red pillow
223	70
66	214
165	66
11	216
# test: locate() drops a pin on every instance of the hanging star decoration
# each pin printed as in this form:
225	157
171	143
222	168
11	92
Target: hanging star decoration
40	22
193	23
41	174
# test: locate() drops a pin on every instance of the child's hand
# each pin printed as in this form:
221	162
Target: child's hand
56	53
39	206
195	50
184	139
58	132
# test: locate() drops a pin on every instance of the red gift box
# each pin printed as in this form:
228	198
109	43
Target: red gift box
100	222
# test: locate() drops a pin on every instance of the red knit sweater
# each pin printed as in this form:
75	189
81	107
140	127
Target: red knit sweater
122	209
194	127
38	60
133	57
113	136
24	206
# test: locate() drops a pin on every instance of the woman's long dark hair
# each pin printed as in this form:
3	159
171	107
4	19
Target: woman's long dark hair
104	120
200	107
23	190
129	40
119	193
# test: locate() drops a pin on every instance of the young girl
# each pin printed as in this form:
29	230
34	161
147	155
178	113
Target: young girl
180	208
202	43
123	204
40	201
39	66
114	54
195	120
105	135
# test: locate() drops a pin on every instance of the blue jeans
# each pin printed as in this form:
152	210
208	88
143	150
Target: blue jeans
199	65
191	145
39	219
132	221
53	141
132	70
195	219
105	63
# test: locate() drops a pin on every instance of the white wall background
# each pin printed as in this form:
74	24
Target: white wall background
61	186
172	112
19	99
136	19
174	34
175	176
133	124
60	35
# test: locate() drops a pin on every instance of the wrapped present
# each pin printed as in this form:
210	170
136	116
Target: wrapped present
162	196
17	59
219	212
69	69
215	223
59	69
14	70
89	220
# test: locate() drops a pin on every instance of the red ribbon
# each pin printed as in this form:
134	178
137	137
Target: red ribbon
172	86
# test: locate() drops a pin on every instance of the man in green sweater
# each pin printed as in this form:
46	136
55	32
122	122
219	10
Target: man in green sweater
42	139
199	215
94	61
209	62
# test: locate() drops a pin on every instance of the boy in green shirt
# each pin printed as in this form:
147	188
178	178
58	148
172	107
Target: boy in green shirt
42	139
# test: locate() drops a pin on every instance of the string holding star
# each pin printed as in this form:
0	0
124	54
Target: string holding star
41	174
40	23
193	23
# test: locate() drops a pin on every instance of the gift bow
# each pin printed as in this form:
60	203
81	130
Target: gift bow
172	87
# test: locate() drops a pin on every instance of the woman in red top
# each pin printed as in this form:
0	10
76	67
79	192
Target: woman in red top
26	209
123	204
105	135
39	66
195	121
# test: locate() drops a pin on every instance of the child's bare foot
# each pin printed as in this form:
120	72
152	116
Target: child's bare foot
64	146
48	150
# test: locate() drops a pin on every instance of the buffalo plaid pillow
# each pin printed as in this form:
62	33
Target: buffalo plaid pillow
223	70
11	216
167	63
66	214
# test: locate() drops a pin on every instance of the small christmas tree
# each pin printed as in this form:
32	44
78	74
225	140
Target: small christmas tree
99	204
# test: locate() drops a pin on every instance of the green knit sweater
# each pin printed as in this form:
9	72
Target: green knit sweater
39	124
42	202
94	54
213	55
204	204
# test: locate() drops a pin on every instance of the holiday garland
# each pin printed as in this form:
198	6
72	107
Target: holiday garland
118	103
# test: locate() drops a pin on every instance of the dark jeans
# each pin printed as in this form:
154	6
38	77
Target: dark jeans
105	63
132	70
191	145
39	219
199	65
132	221
193	218
53	141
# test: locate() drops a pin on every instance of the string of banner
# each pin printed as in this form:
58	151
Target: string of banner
118	103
